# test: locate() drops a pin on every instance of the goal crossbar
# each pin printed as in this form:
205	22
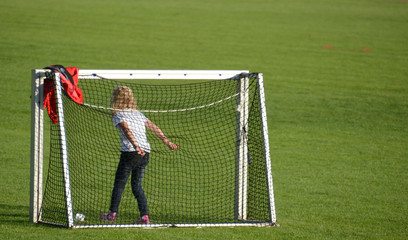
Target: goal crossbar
161	74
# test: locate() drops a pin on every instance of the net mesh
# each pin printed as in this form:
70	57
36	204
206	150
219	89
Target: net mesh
195	184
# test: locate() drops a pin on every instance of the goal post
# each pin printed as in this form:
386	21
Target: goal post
265	136
37	137
241	167
221	176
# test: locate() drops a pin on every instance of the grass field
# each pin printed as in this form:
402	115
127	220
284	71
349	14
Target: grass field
336	81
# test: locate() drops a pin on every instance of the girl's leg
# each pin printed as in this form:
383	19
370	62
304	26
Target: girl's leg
121	177
137	179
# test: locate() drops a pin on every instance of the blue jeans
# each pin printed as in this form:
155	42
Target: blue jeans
130	162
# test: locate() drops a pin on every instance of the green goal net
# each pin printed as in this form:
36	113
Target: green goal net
220	175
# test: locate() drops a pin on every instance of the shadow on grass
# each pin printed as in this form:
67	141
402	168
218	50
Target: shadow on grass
18	216
15	215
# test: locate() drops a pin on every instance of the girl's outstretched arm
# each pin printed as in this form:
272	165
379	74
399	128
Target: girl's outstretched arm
159	133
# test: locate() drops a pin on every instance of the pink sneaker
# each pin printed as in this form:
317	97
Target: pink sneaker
108	217
143	220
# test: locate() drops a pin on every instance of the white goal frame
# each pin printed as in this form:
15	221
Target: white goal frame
37	138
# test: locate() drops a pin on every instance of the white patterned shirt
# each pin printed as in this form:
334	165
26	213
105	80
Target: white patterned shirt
136	122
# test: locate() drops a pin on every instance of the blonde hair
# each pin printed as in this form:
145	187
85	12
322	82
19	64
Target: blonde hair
122	98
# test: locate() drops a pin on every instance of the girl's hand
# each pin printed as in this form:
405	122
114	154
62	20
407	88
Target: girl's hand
140	151
171	145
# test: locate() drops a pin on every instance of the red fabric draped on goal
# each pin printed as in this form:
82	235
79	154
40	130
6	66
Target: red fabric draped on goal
69	80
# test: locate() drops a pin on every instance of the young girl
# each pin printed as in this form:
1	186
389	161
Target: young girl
135	150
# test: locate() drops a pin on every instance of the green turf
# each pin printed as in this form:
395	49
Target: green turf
337	115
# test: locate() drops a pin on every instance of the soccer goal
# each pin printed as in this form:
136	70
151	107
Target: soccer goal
220	176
